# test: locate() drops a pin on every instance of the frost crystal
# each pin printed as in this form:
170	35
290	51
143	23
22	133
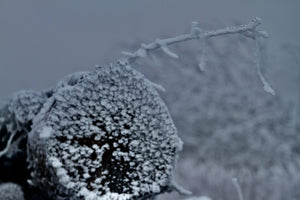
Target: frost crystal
199	198
105	134
46	132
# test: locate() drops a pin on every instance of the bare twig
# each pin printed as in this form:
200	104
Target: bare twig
249	30
156	86
238	188
180	189
8	145
266	85
202	64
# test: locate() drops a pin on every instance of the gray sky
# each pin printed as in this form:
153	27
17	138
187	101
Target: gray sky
41	41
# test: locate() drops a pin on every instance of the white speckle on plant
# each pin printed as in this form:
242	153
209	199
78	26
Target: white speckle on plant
46	132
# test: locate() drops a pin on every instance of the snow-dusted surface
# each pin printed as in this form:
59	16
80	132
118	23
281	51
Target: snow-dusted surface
46	132
104	134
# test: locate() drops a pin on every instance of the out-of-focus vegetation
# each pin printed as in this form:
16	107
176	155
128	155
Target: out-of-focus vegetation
230	126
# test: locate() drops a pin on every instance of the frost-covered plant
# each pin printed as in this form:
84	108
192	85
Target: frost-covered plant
106	134
198	198
16	116
249	30
11	191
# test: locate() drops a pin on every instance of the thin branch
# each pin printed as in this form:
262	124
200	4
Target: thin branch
8	145
165	48
179	189
156	86
238	188
266	85
202	64
249	30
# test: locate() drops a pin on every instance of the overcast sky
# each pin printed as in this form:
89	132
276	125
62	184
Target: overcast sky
41	41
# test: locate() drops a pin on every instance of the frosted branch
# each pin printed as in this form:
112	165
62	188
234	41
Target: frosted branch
165	48
180	189
156	86
266	85
8	145
202	64
238	188
249	30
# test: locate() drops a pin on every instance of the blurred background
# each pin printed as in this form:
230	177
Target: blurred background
230	126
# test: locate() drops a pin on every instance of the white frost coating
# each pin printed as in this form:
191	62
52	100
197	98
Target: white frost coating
111	138
196	33
180	189
102	151
165	48
88	195
238	188
115	196
46	132
156	86
64	178
266	85
199	198
202	64
55	162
